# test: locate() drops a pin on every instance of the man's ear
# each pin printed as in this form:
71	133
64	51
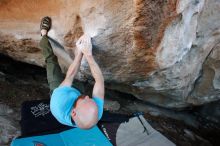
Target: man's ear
73	113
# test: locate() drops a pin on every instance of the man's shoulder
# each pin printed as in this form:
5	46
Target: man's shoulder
64	94
61	103
100	104
95	98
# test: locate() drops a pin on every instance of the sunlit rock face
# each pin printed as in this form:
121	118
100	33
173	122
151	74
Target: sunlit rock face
163	52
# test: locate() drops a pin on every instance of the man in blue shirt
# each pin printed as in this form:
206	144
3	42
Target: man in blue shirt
67	104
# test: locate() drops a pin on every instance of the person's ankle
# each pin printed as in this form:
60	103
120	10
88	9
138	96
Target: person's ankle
43	32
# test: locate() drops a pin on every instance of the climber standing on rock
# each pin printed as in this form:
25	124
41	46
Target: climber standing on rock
67	104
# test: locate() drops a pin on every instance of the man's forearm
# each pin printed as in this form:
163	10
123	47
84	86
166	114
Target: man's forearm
72	70
74	67
96	71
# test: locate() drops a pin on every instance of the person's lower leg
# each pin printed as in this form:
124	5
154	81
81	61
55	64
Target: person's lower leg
54	73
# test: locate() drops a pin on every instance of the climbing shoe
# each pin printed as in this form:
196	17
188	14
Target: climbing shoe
45	23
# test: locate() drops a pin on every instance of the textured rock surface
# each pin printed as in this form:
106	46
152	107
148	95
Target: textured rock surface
8	124
164	52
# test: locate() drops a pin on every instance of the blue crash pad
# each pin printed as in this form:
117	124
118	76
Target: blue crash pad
72	137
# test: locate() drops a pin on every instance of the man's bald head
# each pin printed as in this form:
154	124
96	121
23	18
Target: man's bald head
85	113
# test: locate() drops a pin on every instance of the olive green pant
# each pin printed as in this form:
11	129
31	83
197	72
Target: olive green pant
54	73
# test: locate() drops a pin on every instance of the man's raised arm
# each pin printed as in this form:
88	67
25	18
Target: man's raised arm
73	68
98	89
85	46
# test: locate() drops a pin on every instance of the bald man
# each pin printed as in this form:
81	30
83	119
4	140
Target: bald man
67	104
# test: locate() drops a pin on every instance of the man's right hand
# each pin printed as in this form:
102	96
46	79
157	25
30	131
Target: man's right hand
85	45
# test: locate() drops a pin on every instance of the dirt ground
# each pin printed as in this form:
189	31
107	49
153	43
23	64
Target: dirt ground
20	82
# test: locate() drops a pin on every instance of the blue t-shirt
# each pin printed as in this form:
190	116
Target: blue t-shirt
62	101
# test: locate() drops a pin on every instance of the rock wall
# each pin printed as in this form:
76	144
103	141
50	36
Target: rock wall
164	52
